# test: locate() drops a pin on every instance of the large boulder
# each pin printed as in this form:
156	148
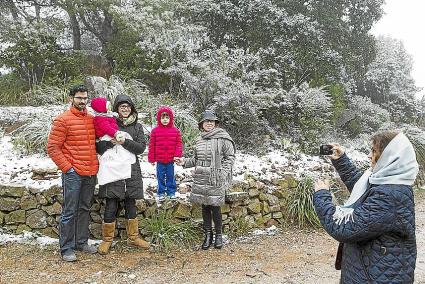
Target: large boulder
225	208
29	201
239	211
50	232
236	196
12	190
254	206
1	218
96	230
197	211
182	210
15	217
9	203
51	193
21	228
45	173
41	199
54	209
36	219
141	205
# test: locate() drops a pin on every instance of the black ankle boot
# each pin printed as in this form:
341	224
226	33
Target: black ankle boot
218	243
208	239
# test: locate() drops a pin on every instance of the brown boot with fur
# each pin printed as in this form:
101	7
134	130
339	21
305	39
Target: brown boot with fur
108	231
133	235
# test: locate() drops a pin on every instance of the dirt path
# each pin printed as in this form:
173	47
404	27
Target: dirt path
288	257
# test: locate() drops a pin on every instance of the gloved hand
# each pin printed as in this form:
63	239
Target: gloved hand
119	136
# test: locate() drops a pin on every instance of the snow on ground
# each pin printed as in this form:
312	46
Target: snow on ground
16	168
27	238
32	239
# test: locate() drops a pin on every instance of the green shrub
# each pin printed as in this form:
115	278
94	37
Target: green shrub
189	129
239	227
32	136
48	95
12	90
299	204
167	233
338	101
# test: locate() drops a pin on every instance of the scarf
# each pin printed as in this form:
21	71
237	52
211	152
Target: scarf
396	165
128	120
216	135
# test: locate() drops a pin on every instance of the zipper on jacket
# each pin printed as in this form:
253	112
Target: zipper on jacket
125	186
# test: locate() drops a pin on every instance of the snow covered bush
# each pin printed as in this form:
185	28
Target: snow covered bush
47	95
367	117
302	114
241	117
417	137
32	137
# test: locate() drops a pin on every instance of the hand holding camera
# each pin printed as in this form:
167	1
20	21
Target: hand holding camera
332	150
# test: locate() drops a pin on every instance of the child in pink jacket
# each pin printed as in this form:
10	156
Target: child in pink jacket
104	120
165	144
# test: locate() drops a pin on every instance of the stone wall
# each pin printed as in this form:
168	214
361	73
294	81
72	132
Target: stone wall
259	203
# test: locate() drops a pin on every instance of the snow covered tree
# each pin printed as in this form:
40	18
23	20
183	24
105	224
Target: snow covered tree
388	81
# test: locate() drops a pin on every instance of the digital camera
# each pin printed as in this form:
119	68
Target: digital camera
326	150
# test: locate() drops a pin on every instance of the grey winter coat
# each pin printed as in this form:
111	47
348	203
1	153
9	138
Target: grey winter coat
379	244
212	176
132	187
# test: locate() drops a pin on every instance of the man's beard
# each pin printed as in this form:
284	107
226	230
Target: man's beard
80	106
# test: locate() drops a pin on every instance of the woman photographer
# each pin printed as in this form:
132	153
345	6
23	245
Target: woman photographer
376	226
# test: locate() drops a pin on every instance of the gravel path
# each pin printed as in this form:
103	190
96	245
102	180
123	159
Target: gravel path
287	257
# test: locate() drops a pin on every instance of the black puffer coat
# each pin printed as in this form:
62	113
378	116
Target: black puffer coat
132	187
379	245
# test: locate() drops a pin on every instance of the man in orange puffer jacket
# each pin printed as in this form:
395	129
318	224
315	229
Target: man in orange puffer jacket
71	145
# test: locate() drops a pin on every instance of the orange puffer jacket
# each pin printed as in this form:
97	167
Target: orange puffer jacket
71	143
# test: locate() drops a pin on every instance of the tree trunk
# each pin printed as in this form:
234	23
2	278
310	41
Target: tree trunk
76	32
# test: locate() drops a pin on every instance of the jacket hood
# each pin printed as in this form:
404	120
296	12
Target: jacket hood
120	99
168	110
99	105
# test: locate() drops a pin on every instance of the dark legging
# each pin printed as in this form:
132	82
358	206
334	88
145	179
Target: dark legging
210	213
112	206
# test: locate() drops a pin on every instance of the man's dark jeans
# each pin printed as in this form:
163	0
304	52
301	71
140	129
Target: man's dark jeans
75	218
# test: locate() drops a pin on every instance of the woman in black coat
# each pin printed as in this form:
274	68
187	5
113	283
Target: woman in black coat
376	226
129	189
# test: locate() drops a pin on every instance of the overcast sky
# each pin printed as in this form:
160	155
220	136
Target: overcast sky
405	20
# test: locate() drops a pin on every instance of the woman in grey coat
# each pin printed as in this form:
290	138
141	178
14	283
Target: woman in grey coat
213	161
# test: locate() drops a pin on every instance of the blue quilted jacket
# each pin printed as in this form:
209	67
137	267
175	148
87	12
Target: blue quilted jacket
379	244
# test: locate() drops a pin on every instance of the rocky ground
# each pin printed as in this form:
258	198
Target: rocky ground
290	256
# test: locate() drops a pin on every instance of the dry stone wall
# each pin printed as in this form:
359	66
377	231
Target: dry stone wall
260	203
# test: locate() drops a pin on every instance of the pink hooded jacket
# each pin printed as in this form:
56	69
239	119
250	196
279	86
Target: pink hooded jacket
103	124
166	141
